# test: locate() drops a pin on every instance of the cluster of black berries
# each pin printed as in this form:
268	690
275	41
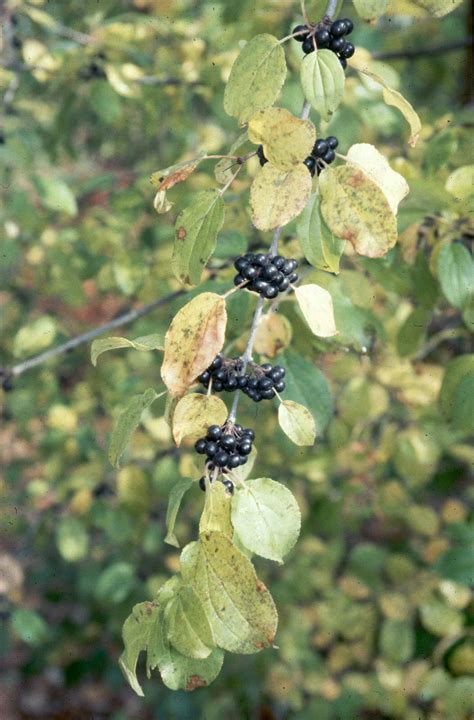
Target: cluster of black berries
327	35
263	381
266	275
226	447
259	382
322	154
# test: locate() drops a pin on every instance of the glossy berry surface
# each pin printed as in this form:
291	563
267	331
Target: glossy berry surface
267	275
228	451
301	32
328	35
322	155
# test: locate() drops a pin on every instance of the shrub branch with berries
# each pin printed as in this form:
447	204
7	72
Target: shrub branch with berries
217	603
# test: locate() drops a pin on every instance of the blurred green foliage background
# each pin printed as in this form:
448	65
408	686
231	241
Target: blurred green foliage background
375	602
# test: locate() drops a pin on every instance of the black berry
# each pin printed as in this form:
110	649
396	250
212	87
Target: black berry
308	46
338	28
229	486
301	32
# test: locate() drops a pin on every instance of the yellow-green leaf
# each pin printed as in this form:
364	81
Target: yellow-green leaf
316	305
322	80
239	608
194	338
391	97
297	423
276	196
143	344
286	139
376	167
193	415
256	78
356	209
127	423
196	233
320	246
439	8
187	626
370	9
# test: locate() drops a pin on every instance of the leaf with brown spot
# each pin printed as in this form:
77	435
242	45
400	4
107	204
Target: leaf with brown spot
274	333
193	415
277	196
194	338
356	209
196	233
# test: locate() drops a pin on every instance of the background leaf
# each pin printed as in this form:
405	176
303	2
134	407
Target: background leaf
127	423
297	423
322	80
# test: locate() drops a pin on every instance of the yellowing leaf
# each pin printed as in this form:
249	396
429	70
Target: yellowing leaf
439	8
460	182
391	97
356	209
216	514
143	344
273	334
376	167
165	179
322	80
276	196
239	608
286	139
187	626
297	423
193	415
196	232
194	338
177	492
316	305
256	78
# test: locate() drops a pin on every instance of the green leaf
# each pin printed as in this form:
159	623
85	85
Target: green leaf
127	423
187	626
143	344
194	338
454	402
72	539
370	9
457	563
412	332
356	209
136	633
320	247
115	583
238	606
278	196
176	495
440	619
305	384
35	336
196	234
193	415
56	195
322	80
29	626
266	518
397	640
455	270
297	423
256	78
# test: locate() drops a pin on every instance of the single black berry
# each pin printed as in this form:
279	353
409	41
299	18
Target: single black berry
279	385
234	461
308	46
343	62
348	50
227	442
221	458
332	141
200	446
202	483
338	28
229	486
329	157
322	38
261	157
320	147
349	26
214	432
337	44
301	31
240	263
211	449
310	163
245	447
271	292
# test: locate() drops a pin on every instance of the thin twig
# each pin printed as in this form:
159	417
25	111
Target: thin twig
411	53
124	319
